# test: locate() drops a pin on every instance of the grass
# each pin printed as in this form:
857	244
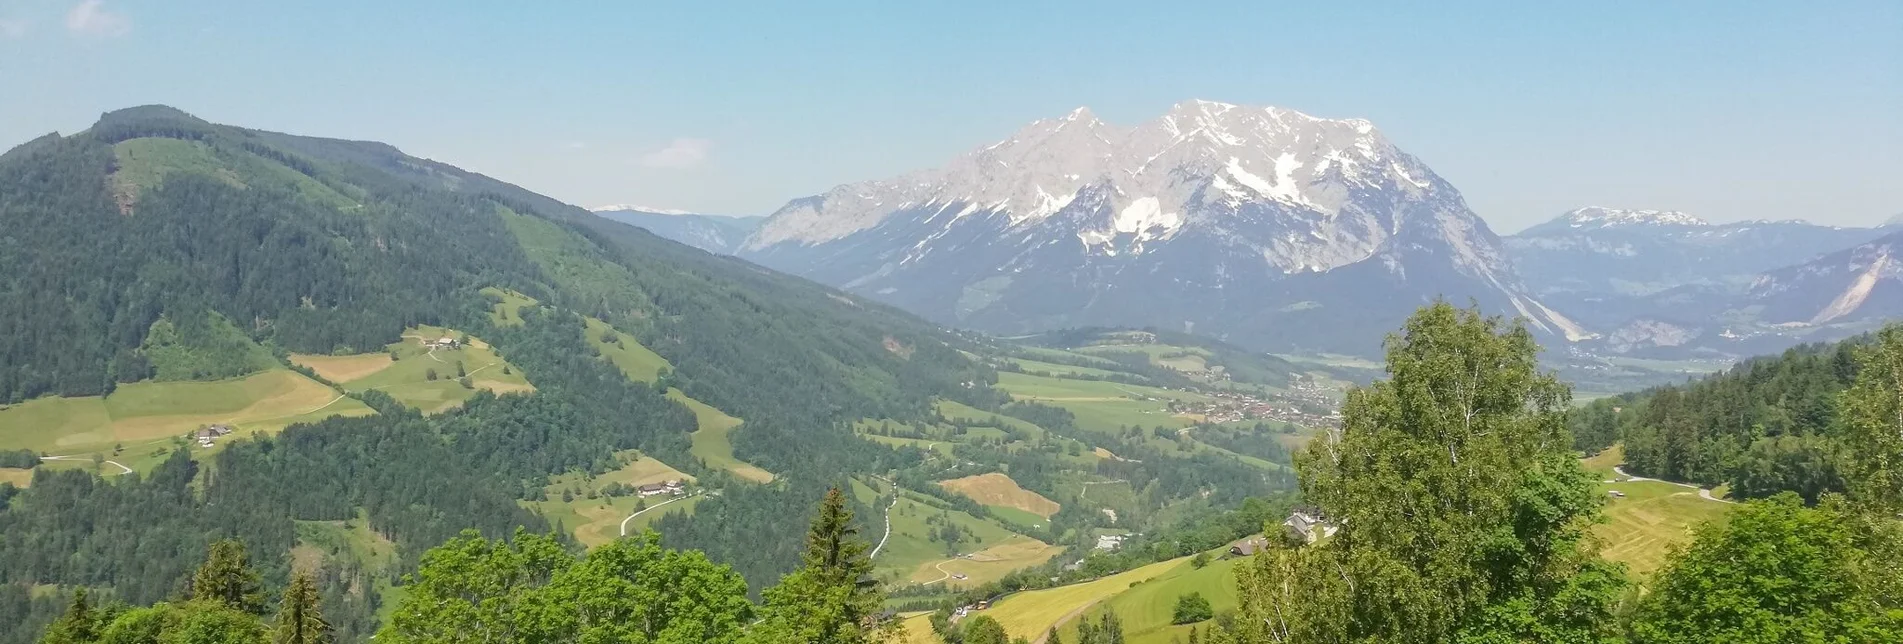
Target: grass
1049	354
1654	516
995	489
1014	516
1642	527
1147	608
634	360
1603	462
407	378
343	368
351	540
989	564
711	441
1101	405
142	413
1030	614
595	521
143	164
19	477
941	447
509	305
918	630
911	551
1061	369
958	412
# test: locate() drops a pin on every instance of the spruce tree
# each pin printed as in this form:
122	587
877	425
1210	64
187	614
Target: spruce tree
79	625
226	577
300	621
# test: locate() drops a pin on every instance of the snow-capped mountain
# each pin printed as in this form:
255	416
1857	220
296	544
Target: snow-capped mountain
1267	226
1600	218
713	233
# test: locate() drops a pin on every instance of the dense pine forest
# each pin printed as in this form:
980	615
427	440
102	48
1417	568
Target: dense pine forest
1765	426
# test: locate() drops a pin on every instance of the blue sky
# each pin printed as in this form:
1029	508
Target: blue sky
1728	110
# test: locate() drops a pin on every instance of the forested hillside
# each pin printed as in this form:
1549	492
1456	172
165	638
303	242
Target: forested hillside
1765	426
156	245
320	298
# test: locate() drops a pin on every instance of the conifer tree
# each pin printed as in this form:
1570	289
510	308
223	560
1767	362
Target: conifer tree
79	625
300	621
832	598
226	577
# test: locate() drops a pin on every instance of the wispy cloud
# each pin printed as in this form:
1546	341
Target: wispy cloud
12	28
680	153
92	18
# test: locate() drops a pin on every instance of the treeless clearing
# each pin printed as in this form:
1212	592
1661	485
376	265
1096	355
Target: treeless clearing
18	477
144	412
989	564
341	369
997	489
1033	613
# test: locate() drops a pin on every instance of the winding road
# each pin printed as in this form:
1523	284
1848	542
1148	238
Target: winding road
651	508
122	466
1703	493
888	530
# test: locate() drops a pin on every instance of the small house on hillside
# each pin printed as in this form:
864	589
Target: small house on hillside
1308	528
1247	547
652	489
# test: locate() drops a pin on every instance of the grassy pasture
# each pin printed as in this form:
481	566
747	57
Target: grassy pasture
639	363
712	443
595	521
19	477
911	548
1061	369
995	489
958	412
1101	405
407	378
1147	608
989	564
1654	516
1030	614
711	439
141	413
343	368
508	309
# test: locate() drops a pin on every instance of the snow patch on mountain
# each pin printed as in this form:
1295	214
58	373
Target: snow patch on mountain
628	207
1601	217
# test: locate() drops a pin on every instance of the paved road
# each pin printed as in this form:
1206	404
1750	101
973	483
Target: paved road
122	466
888	529
624	522
1703	493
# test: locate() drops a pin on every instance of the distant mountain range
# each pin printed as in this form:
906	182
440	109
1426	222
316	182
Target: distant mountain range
1667	284
1280	231
1264	226
713	233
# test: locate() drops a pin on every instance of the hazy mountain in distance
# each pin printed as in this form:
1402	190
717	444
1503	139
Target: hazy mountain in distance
1264	226
1598	250
713	233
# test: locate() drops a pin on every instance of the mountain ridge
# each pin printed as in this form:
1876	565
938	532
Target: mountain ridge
1074	222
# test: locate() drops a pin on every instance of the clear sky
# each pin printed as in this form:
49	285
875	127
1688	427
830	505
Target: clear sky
1729	110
